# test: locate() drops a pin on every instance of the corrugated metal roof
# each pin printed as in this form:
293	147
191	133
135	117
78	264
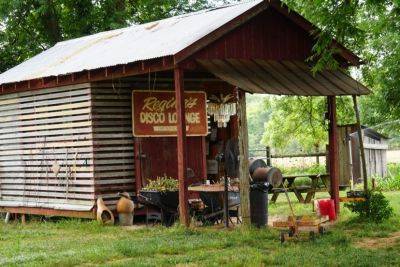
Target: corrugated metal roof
283	78
140	42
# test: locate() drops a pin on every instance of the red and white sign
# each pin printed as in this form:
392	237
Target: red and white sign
154	113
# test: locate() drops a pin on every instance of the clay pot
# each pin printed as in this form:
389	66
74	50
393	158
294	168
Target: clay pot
104	214
125	219
125	204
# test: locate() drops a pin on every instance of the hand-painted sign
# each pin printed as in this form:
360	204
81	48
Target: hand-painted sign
154	113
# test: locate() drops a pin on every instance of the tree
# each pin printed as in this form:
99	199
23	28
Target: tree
28	27
371	28
258	112
298	123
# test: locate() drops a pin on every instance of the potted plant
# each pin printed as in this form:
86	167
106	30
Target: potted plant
162	192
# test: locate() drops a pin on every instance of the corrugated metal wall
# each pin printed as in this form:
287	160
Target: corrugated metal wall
38	131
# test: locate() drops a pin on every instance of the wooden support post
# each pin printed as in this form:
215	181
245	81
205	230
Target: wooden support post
361	144
268	155
243	159
181	146
333	152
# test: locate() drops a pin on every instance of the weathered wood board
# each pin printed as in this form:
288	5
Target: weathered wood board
84	129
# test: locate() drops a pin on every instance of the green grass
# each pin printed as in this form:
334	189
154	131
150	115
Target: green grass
392	181
76	242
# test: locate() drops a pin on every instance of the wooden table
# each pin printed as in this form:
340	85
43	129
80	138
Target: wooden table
212	188
298	190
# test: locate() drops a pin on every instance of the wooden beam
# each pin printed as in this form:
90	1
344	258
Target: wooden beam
181	146
243	159
50	212
333	152
138	164
101	74
361	143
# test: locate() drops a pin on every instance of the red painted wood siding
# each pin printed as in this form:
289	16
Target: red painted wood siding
269	35
161	157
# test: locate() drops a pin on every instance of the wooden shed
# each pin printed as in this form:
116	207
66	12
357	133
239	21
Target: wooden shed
375	147
66	114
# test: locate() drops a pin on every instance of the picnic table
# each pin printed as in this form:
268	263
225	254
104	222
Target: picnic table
319	183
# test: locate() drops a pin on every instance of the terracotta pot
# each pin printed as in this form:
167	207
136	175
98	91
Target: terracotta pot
104	215
125	219
125	204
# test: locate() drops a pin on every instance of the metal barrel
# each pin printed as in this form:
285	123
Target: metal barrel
259	204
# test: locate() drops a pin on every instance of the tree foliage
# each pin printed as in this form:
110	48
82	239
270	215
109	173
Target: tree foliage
29	26
258	112
370	28
298	123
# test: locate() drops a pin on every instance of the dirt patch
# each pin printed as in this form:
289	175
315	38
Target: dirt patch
377	243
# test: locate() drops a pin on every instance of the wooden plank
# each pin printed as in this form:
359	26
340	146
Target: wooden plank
45	91
48	127
31	112
116	181
181	147
33	116
46	187
49	175
46	145
361	144
50	212
46	102
87	158
44	181
243	159
333	152
114	167
47	139
21	123
376	146
113	174
28	194
31	201
67	132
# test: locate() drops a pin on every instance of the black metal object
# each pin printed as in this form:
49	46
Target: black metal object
229	162
214	206
167	202
259	204
258	163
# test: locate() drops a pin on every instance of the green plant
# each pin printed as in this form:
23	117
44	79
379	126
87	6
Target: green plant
376	208
162	184
392	181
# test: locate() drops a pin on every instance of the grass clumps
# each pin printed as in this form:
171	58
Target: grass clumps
392	181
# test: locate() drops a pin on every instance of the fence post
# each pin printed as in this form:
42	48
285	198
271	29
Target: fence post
268	155
317	151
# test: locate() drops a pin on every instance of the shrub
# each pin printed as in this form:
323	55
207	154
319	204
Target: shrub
376	208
